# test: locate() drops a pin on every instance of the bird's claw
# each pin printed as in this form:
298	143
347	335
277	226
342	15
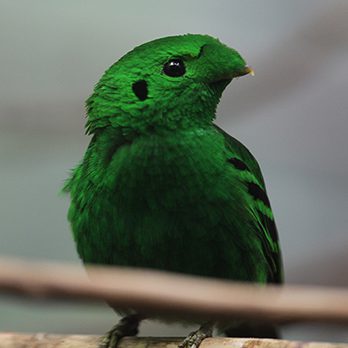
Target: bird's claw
111	339
195	338
127	326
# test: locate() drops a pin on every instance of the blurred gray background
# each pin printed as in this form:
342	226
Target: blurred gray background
292	115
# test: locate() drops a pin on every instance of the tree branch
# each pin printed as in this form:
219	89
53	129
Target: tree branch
12	340
172	295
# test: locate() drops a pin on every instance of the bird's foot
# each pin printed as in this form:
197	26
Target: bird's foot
127	326
195	338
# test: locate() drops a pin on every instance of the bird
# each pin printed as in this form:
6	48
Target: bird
161	186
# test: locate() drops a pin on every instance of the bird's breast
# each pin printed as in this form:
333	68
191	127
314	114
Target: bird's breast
173	169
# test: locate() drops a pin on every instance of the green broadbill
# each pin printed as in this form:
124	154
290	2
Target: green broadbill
160	185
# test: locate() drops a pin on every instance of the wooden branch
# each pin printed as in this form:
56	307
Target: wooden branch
12	340
172	295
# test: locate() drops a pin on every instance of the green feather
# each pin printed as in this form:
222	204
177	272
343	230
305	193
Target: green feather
161	186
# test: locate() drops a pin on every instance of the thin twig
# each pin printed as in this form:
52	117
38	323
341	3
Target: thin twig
172	295
76	341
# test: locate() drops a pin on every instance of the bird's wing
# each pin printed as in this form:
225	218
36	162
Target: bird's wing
104	144
251	174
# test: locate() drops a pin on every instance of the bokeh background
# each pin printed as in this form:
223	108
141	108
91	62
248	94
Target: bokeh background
293	115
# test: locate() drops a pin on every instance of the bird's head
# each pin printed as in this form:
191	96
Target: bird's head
167	84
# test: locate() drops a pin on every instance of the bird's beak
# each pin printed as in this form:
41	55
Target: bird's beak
246	71
250	71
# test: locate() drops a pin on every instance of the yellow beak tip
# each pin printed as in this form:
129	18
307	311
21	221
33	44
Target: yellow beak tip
250	71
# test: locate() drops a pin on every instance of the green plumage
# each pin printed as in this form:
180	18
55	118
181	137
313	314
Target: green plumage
161	186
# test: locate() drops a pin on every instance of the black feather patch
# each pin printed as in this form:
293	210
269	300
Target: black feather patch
271	227
258	193
271	254
238	164
140	89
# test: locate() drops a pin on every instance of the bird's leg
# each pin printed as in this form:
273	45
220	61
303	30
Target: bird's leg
127	326
194	339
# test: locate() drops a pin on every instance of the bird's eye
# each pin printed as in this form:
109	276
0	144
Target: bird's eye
174	68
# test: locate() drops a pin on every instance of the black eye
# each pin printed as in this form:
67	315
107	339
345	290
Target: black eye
174	68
